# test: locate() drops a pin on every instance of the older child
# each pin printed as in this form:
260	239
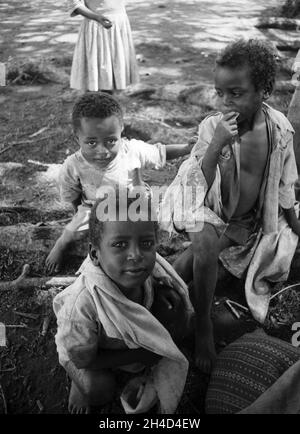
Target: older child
104	319
104	56
244	161
104	158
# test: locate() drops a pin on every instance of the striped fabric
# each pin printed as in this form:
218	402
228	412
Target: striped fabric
245	369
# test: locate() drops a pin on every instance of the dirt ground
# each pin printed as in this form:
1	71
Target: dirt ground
176	43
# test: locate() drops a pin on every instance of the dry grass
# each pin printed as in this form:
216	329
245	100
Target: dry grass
34	72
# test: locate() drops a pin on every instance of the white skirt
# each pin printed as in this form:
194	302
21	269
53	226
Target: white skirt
104	59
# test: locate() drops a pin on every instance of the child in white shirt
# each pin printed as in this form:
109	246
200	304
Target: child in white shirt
104	158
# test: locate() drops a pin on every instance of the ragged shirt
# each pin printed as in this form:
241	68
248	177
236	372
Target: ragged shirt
280	178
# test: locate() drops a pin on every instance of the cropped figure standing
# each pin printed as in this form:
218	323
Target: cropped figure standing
104	56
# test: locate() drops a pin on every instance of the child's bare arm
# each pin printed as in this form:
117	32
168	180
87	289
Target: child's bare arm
115	358
292	220
69	184
175	151
88	13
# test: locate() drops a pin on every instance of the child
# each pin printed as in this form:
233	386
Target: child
104	320
104	158
104	56
244	161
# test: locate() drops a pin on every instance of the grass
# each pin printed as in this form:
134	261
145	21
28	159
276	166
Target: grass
34	72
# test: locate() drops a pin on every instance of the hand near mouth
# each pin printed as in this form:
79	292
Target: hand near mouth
226	129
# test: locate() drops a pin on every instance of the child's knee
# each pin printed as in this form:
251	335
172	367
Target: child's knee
205	244
98	387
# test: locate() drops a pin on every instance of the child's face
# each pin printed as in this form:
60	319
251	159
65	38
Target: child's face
236	92
127	252
99	139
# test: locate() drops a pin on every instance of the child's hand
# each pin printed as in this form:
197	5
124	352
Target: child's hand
226	129
170	299
166	302
105	22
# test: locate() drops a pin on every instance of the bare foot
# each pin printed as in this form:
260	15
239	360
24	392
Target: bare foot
205	352
77	402
54	259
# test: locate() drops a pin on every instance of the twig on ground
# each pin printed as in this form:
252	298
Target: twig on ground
38	163
154	121
37	133
27	315
3	398
23	282
8	370
15	283
46	324
232	302
16	326
40	405
25	142
233	310
283	290
66	220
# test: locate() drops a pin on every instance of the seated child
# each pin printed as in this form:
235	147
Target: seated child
104	158
245	165
105	322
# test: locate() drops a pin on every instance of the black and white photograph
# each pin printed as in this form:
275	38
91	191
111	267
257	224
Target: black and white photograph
149	210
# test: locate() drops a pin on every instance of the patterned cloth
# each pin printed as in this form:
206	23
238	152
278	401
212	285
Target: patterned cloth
283	397
266	253
245	369
104	59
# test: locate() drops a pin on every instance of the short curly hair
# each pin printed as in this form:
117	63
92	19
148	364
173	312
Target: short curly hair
258	55
95	105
